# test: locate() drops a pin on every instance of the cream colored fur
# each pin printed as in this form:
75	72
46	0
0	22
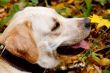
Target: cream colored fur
30	36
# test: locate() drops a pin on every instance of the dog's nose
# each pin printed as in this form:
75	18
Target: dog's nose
87	23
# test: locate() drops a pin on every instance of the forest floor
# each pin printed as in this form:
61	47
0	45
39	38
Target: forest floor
97	58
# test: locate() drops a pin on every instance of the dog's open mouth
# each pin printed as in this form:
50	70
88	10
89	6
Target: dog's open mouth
74	49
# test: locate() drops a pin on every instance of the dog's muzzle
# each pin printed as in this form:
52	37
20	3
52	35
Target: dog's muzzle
87	23
78	47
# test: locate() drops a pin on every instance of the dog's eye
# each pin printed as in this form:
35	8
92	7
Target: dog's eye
56	26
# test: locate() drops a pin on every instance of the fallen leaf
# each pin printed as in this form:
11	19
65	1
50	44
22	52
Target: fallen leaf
100	21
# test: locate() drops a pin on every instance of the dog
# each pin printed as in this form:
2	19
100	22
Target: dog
35	33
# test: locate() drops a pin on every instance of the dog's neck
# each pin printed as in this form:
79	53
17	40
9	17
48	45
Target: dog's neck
18	62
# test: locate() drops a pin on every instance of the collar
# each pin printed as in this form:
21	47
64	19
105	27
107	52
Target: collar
20	63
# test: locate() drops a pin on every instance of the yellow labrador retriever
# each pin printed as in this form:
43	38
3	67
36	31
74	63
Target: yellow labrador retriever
35	33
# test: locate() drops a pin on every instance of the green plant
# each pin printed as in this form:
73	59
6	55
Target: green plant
87	10
4	2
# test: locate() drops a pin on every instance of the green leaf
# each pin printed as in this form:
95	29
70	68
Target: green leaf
108	1
107	17
106	71
87	10
95	56
13	10
102	2
4	2
66	12
5	21
86	55
61	10
35	2
88	3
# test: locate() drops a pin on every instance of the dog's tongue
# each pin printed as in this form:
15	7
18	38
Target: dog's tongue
82	44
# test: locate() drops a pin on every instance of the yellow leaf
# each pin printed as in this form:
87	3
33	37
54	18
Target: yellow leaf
100	21
95	19
70	1
60	5
108	11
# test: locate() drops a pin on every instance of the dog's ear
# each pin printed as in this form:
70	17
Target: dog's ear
20	42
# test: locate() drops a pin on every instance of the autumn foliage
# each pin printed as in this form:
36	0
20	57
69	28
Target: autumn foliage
97	58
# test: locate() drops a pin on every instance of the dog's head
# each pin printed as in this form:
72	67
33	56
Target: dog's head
36	32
